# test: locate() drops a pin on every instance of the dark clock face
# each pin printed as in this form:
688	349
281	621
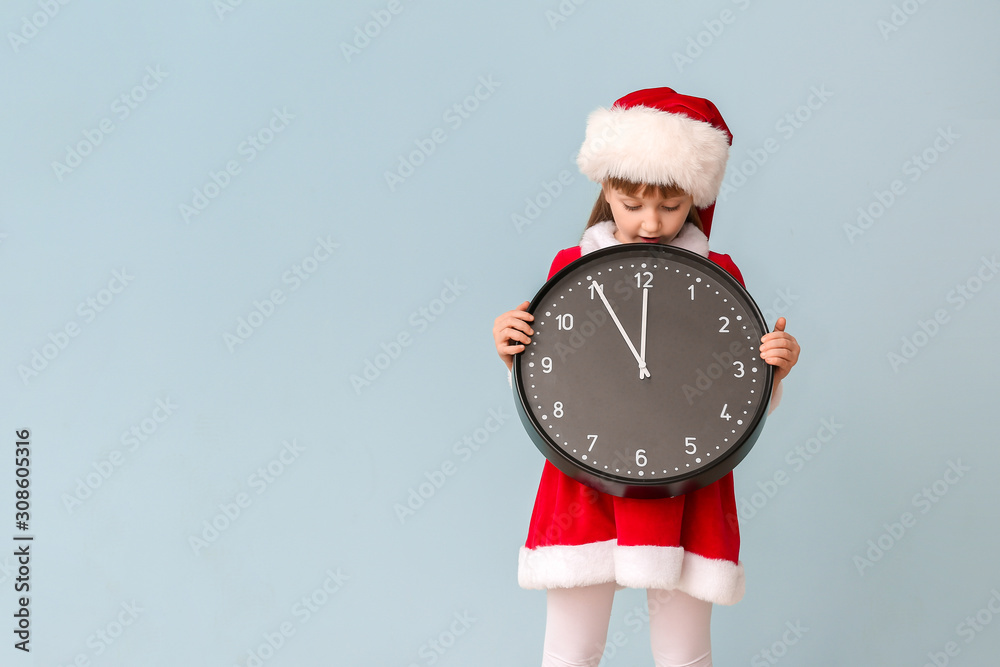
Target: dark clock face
643	377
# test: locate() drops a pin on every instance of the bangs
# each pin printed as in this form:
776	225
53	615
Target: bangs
631	188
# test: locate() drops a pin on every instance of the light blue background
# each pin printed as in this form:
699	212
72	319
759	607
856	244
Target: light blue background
404	581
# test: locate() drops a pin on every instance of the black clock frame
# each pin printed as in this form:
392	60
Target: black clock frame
670	486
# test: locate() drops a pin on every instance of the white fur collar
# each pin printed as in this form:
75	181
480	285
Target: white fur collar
602	235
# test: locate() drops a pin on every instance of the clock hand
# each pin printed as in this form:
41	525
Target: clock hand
643	371
642	343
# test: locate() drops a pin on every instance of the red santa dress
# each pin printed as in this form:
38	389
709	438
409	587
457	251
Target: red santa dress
579	536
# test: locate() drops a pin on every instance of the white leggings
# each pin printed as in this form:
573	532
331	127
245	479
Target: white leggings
576	627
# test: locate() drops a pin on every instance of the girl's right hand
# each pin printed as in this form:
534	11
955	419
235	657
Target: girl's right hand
511	332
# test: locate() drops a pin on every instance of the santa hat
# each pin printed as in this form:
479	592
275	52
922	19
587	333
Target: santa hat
660	137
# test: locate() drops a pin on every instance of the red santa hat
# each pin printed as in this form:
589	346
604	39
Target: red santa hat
660	137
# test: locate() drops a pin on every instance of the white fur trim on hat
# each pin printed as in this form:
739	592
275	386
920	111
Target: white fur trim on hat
646	145
602	235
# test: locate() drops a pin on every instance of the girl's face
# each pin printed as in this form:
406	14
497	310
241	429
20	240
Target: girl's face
647	217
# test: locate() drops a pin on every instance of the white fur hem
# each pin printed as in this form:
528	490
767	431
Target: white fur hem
718	581
566	566
602	235
666	568
649	567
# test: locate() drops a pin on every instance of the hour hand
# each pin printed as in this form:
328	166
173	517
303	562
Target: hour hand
643	371
642	340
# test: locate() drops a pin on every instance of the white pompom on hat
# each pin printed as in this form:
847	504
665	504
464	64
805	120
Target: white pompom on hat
660	137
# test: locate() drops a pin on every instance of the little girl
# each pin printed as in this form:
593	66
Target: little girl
660	158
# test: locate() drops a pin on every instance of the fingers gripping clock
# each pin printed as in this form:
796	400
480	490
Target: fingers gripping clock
699	399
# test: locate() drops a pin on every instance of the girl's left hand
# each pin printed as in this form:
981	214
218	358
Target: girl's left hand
779	349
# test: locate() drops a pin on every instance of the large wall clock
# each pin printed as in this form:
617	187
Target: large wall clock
643	378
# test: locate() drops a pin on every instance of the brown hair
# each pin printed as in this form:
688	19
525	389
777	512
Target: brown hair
602	209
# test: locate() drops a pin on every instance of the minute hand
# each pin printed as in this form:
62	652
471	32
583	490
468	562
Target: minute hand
643	371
